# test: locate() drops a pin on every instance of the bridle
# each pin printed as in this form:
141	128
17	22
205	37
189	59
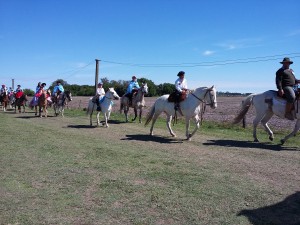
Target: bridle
204	103
203	100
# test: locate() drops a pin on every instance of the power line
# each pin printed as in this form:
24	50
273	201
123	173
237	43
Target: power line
212	63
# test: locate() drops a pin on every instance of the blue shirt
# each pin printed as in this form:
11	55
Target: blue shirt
131	86
58	88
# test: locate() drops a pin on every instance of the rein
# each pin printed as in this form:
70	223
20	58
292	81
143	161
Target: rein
204	104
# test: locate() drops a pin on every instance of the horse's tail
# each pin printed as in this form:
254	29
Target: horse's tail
150	115
246	103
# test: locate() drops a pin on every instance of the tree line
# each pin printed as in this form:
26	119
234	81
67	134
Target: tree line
120	87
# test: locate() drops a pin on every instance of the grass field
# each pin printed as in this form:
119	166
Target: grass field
62	171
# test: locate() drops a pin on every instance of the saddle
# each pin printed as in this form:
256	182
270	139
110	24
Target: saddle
176	96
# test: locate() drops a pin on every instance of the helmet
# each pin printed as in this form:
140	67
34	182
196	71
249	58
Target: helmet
3	85
100	83
181	73
133	77
43	84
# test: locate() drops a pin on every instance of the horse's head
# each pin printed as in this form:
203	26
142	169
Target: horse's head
144	88
211	97
68	95
112	94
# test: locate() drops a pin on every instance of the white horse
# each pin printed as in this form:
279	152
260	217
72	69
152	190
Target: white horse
106	106
190	108
60	103
266	105
138	102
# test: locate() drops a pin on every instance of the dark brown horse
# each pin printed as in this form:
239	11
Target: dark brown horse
21	100
4	100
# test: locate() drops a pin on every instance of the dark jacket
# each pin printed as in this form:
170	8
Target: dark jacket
284	78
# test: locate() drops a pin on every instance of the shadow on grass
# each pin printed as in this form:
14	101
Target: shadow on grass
147	137
32	116
80	126
249	144
282	213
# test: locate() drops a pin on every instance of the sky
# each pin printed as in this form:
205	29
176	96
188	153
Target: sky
235	45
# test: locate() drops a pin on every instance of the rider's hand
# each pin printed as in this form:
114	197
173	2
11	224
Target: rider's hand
280	92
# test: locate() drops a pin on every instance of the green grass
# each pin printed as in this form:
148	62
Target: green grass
54	174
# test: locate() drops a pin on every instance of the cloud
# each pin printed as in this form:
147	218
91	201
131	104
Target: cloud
208	52
294	33
240	43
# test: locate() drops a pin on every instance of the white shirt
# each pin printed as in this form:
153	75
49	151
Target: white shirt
180	84
100	91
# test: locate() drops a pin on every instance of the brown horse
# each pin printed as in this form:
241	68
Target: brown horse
4	100
42	103
21	101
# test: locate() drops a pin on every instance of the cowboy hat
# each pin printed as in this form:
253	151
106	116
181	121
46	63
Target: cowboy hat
286	60
180	73
43	84
133	77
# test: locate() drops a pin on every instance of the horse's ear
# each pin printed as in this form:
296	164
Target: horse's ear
212	87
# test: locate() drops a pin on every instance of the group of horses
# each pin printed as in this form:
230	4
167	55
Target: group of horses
18	100
191	108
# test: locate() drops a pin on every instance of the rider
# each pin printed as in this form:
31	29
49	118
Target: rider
3	90
99	95
19	91
286	82
132	88
58	89
181	87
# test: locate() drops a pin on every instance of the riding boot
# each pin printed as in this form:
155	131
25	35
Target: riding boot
288	111
98	105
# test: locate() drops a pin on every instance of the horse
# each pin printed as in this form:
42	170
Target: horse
189	108
60	102
106	106
4	100
42	103
20	100
138	102
266	105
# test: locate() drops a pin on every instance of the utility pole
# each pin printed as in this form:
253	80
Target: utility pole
96	74
13	84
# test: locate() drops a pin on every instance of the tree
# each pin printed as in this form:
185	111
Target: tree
152	88
28	92
165	88
63	83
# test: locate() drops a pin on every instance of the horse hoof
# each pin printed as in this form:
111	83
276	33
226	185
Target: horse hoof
282	141
271	138
256	140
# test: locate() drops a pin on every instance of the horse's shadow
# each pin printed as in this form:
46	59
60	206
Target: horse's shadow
148	138
80	126
281	213
250	144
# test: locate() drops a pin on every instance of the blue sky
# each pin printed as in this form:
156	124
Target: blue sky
45	40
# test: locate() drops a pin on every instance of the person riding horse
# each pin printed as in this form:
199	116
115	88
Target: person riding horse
99	95
132	89
3	93
57	90
181	88
286	83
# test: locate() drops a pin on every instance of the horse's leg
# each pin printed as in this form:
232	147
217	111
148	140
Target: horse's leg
45	111
169	118
126	109
197	125
135	113
35	110
264	121
105	120
155	116
293	133
140	115
257	119
98	122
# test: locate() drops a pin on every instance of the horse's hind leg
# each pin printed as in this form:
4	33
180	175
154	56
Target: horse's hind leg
293	133
135	113
258	118
153	122
140	115
169	118
264	121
